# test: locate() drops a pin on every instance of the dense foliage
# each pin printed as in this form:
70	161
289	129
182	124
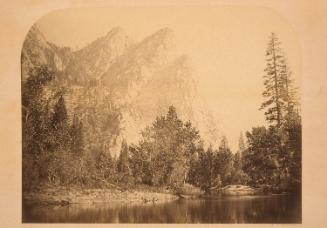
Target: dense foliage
164	154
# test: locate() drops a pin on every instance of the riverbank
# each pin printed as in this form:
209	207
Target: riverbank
59	195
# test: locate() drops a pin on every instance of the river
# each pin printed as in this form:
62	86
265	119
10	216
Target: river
242	209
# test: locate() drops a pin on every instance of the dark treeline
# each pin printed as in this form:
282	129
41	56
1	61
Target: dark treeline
170	152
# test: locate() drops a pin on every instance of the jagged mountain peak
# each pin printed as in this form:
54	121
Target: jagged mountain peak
114	39
162	38
116	34
37	37
38	51
162	34
93	60
116	31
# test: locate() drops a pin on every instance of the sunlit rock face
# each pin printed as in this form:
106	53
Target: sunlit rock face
118	87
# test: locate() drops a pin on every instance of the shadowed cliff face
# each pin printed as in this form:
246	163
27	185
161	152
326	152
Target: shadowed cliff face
117	87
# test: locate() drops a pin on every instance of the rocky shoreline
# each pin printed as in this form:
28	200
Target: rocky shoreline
72	195
59	195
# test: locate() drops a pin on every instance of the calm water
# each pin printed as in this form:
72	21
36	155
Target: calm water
254	209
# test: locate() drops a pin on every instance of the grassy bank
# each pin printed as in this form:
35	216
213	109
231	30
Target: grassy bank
59	195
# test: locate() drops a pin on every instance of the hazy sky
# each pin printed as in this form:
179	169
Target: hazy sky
226	45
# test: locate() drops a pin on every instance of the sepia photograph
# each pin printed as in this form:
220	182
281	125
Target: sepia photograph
172	114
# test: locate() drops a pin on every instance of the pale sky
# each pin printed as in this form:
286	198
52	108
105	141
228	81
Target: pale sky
226	45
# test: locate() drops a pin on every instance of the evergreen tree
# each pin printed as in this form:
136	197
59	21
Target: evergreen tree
294	144
170	145
224	162
77	139
104	165
60	135
140	164
210	166
264	156
207	169
223	144
238	175
241	144
274	82
281	159
123	166
60	113
237	161
194	174
288	91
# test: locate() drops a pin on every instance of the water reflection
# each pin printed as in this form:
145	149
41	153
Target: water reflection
258	209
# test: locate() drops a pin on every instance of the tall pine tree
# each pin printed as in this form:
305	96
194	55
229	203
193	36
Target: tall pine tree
274	82
61	136
123	164
77	139
241	143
